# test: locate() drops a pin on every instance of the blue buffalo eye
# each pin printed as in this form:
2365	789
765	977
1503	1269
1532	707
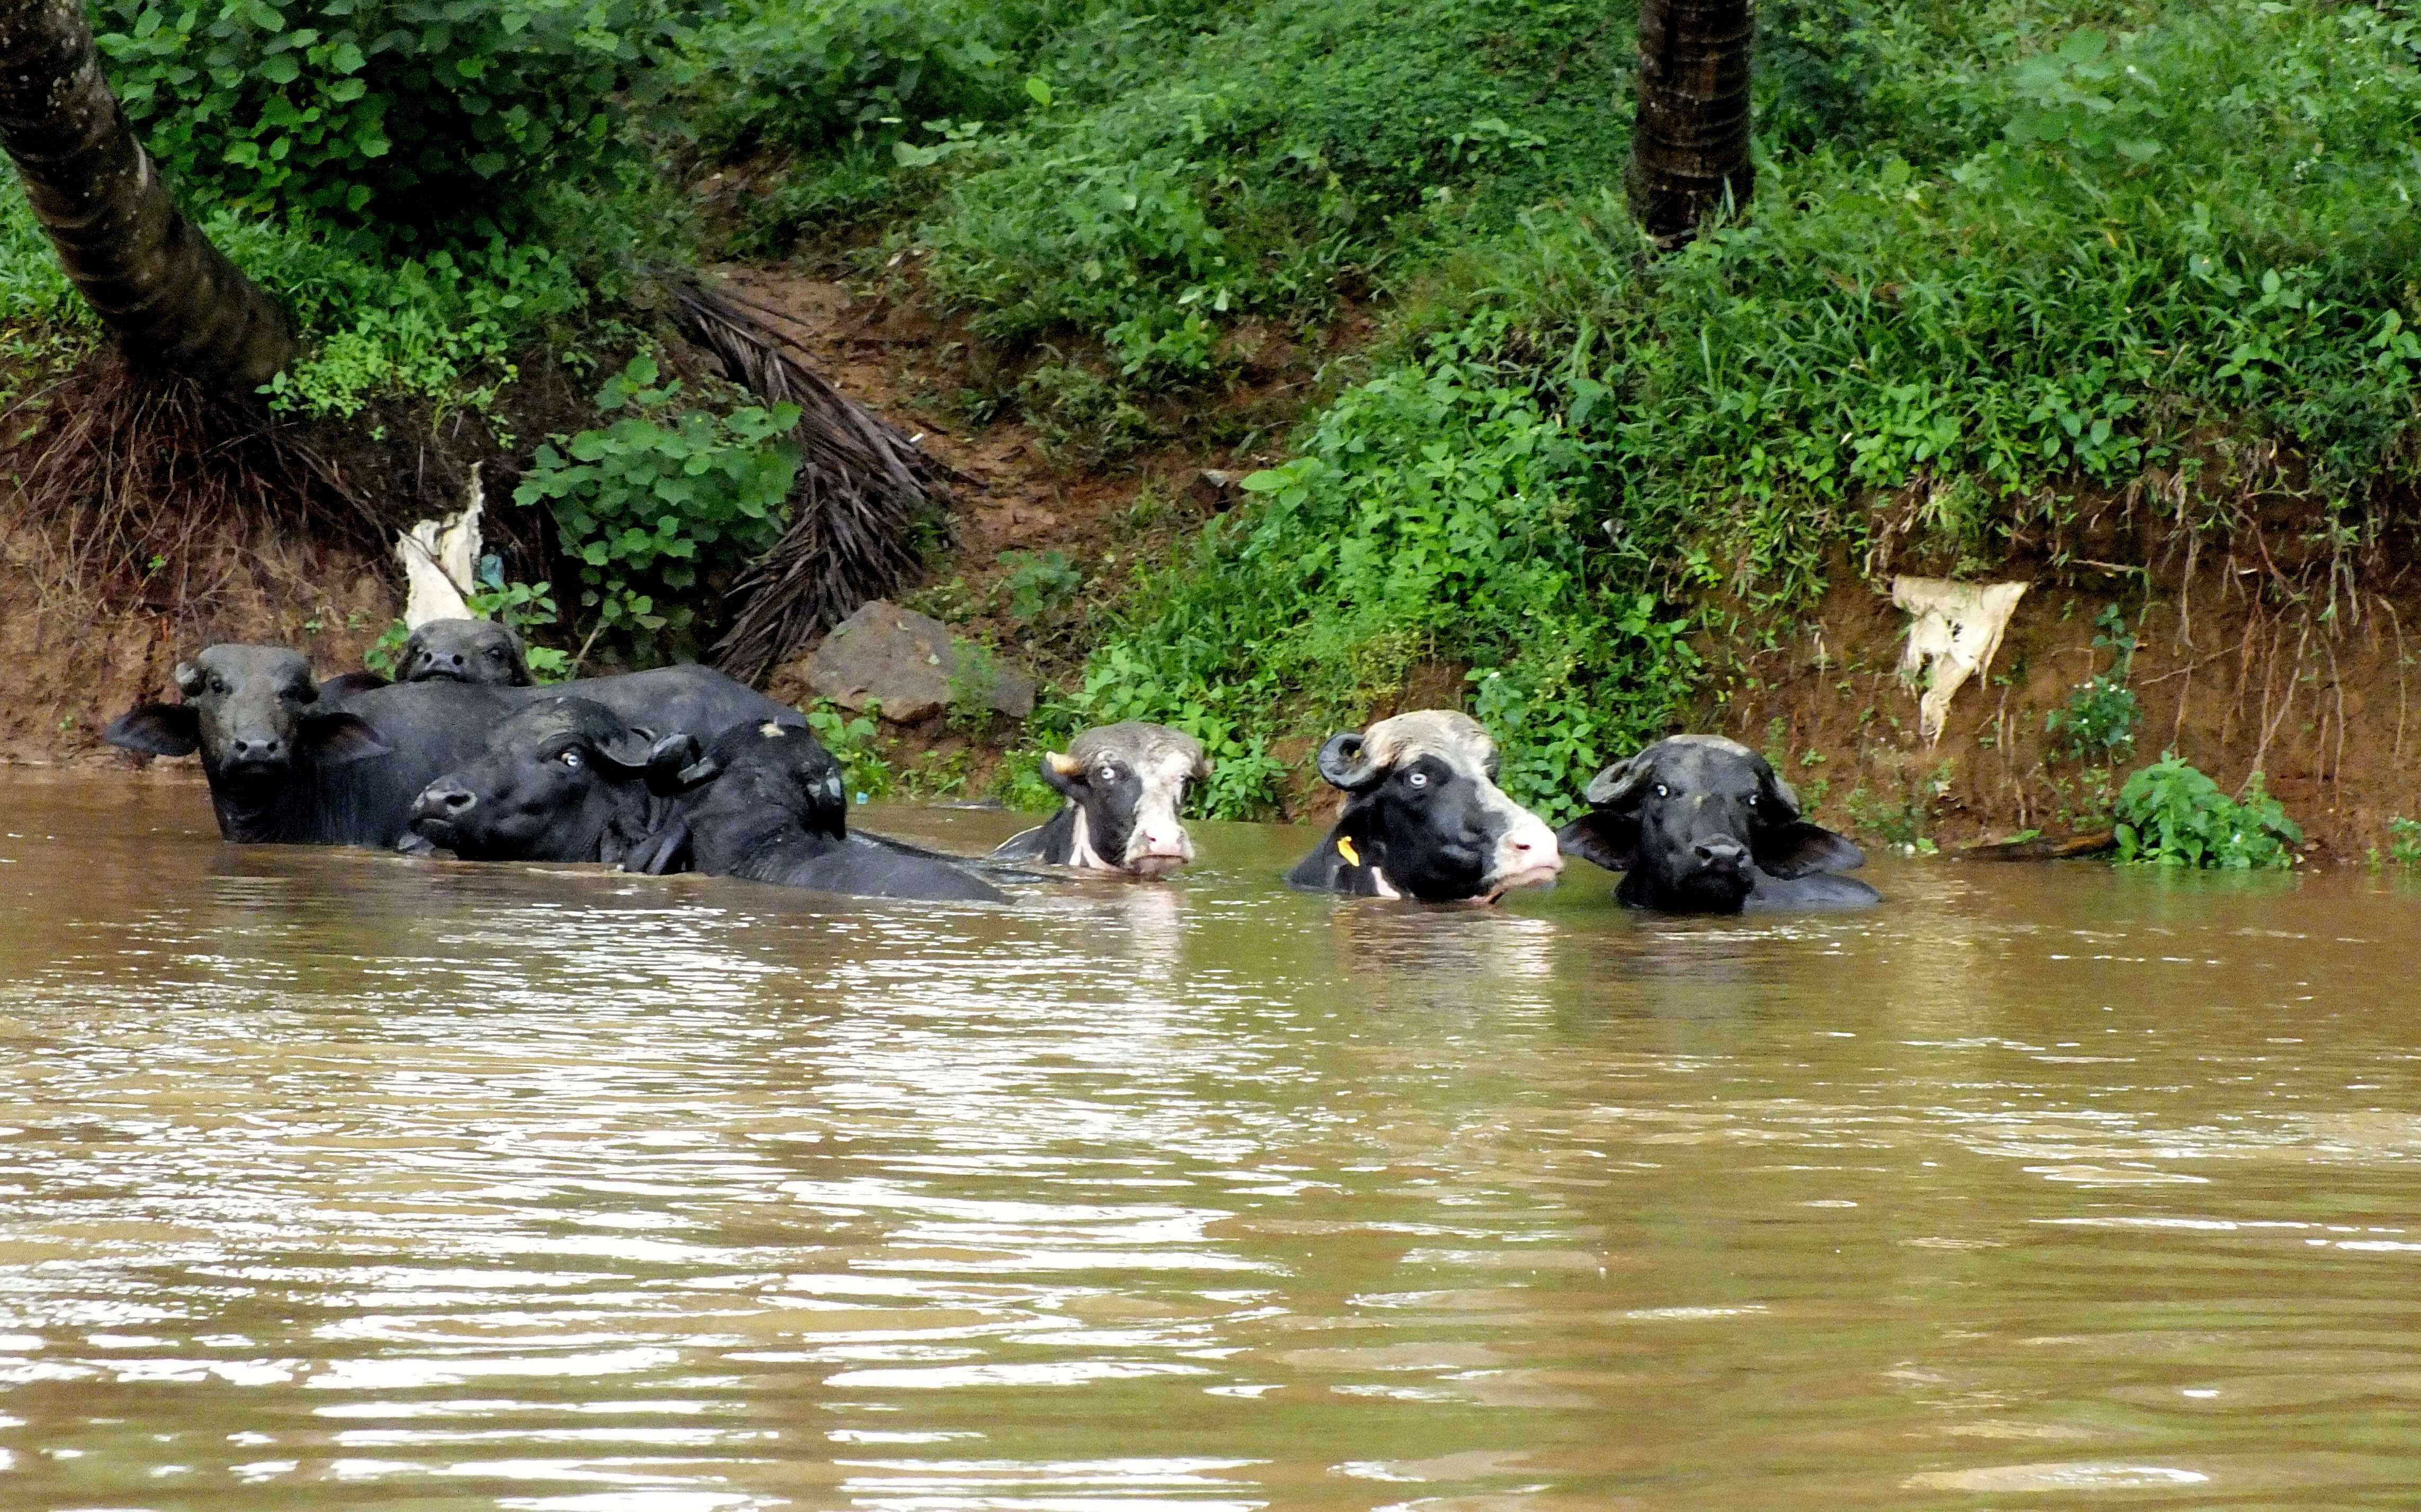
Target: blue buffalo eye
1663	791
570	758
1418	779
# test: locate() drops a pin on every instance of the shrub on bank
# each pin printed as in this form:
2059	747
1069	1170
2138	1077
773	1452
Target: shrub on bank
2171	815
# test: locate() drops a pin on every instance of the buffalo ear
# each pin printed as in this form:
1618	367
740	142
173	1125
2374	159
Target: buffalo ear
1065	773
158	729
1776	803
346	685
675	765
338	738
1603	838
1800	849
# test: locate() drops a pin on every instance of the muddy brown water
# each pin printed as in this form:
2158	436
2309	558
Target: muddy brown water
334	1180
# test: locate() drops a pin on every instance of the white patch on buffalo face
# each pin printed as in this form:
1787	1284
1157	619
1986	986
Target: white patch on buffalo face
1526	854
1158	843
1080	845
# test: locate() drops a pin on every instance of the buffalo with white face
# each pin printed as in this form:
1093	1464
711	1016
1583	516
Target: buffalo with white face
1700	825
1125	785
1424	818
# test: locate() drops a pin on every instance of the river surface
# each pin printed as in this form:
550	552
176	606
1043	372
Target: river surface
336	1180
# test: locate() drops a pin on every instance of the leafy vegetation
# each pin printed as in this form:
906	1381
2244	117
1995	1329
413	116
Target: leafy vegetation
2171	815
398	120
662	496
2099	720
1438	512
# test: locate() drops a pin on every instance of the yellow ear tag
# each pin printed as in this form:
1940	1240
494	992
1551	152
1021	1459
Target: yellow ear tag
1345	849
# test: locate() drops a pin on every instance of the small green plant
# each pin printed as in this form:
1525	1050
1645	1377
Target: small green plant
1039	582
2404	842
2099	721
2170	814
660	494
973	673
851	739
383	654
520	607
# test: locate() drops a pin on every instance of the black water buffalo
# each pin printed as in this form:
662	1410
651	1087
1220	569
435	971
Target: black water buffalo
1700	825
288	765
1424	818
465	651
559	779
565	779
1124	784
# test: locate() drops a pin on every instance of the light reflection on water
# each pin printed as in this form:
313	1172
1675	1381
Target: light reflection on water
336	1181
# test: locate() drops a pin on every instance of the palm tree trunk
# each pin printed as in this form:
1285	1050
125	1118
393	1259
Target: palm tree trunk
1689	146
175	300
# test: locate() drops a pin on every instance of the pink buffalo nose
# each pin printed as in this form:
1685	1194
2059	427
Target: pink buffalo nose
1163	843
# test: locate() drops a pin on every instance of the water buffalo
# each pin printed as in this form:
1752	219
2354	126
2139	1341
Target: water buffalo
565	779
560	779
1700	825
1124	784
1424	818
288	765
465	651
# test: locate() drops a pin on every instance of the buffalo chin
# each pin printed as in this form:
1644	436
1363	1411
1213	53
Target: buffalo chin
1155	867
1527	877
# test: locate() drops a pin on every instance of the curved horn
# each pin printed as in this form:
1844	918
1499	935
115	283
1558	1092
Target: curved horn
1618	783
1064	764
1341	762
189	678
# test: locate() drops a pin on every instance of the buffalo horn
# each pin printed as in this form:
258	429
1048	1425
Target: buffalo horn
1341	763
1618	783
189	678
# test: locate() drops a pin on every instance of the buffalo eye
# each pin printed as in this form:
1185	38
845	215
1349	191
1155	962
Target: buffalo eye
496	653
1663	791
570	758
1752	799
1107	776
218	684
1417	779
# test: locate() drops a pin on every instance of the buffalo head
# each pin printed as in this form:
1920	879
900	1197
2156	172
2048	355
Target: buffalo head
1424	817
1695	823
254	714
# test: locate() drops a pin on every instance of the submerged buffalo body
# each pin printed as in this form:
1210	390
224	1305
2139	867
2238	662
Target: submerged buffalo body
1424	818
766	803
567	779
1700	825
1124	784
290	765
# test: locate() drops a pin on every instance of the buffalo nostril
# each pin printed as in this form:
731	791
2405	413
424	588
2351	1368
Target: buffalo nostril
457	802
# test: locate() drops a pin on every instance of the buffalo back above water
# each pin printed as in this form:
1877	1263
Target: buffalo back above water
772	808
1701	824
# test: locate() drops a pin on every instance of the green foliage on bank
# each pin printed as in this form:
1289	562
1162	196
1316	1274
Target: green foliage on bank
2170	814
2048	252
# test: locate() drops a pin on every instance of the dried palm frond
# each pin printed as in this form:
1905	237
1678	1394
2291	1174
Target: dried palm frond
862	491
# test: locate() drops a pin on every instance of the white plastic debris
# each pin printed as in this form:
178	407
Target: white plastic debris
441	561
1958	627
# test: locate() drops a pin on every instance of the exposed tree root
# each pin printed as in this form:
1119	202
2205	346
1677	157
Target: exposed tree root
136	484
